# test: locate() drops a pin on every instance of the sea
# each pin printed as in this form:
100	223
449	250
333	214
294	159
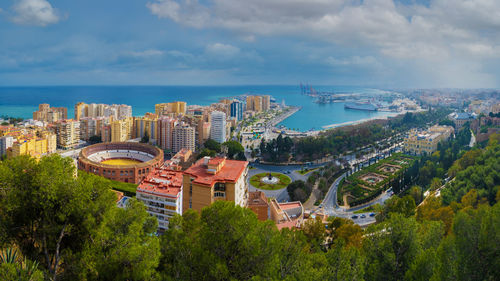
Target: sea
22	101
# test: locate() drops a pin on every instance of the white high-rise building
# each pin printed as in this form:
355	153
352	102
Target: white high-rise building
124	111
218	126
5	143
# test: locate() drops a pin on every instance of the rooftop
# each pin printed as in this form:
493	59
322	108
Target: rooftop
162	181
257	198
207	171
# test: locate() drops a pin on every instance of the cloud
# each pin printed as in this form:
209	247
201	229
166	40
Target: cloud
145	54
222	50
395	29
190	12
35	12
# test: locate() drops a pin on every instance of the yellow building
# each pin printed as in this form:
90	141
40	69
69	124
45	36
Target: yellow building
176	107
426	142
121	130
210	180
49	114
33	145
256	103
146	125
81	110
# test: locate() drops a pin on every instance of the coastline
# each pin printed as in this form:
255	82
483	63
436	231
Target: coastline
385	117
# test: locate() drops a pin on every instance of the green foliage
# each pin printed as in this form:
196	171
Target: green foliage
349	138
124	246
40	202
145	138
299	191
276	150
234	148
477	169
206	152
212	145
95	139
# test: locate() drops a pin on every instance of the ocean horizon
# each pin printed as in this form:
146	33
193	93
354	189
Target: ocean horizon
21	101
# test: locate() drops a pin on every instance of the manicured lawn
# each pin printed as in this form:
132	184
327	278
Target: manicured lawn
283	182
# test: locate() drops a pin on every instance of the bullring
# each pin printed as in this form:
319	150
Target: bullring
121	161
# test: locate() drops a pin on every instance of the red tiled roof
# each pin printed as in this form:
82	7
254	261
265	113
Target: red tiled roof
162	181
230	172
290	205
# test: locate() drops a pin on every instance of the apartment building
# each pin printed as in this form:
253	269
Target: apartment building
218	126
33	145
166	127
183	137
161	192
114	111
146	125
266	102
171	108
49	114
237	110
121	130
68	133
213	179
6	142
425	142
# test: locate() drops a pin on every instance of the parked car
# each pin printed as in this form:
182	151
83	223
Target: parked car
363	216
354	217
372	214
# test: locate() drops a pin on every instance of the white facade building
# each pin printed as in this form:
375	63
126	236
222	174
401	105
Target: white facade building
218	126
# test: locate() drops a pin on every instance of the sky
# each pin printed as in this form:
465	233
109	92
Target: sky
378	43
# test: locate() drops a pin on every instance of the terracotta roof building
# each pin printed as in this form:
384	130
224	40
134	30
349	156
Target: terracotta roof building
289	214
161	192
257	202
212	179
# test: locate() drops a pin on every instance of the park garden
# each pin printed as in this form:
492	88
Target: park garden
369	182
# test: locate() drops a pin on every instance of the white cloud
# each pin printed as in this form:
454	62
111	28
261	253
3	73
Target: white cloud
396	30
146	53
35	12
224	50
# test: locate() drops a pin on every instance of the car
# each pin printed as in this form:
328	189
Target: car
354	217
363	216
372	214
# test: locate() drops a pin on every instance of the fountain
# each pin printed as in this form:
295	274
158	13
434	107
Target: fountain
269	179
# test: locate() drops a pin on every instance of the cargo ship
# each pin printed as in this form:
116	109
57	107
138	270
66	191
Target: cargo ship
360	106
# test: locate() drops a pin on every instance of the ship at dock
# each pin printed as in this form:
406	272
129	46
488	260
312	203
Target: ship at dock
360	106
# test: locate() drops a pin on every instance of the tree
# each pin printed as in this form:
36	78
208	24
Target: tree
95	139
145	138
48	212
390	248
345	263
233	148
206	152
124	246
417	194
212	145
247	248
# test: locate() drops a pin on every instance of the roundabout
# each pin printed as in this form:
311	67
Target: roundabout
270	181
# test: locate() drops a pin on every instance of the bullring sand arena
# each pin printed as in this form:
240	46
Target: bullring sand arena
121	161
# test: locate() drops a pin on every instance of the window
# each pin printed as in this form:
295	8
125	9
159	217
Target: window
220	186
219	194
